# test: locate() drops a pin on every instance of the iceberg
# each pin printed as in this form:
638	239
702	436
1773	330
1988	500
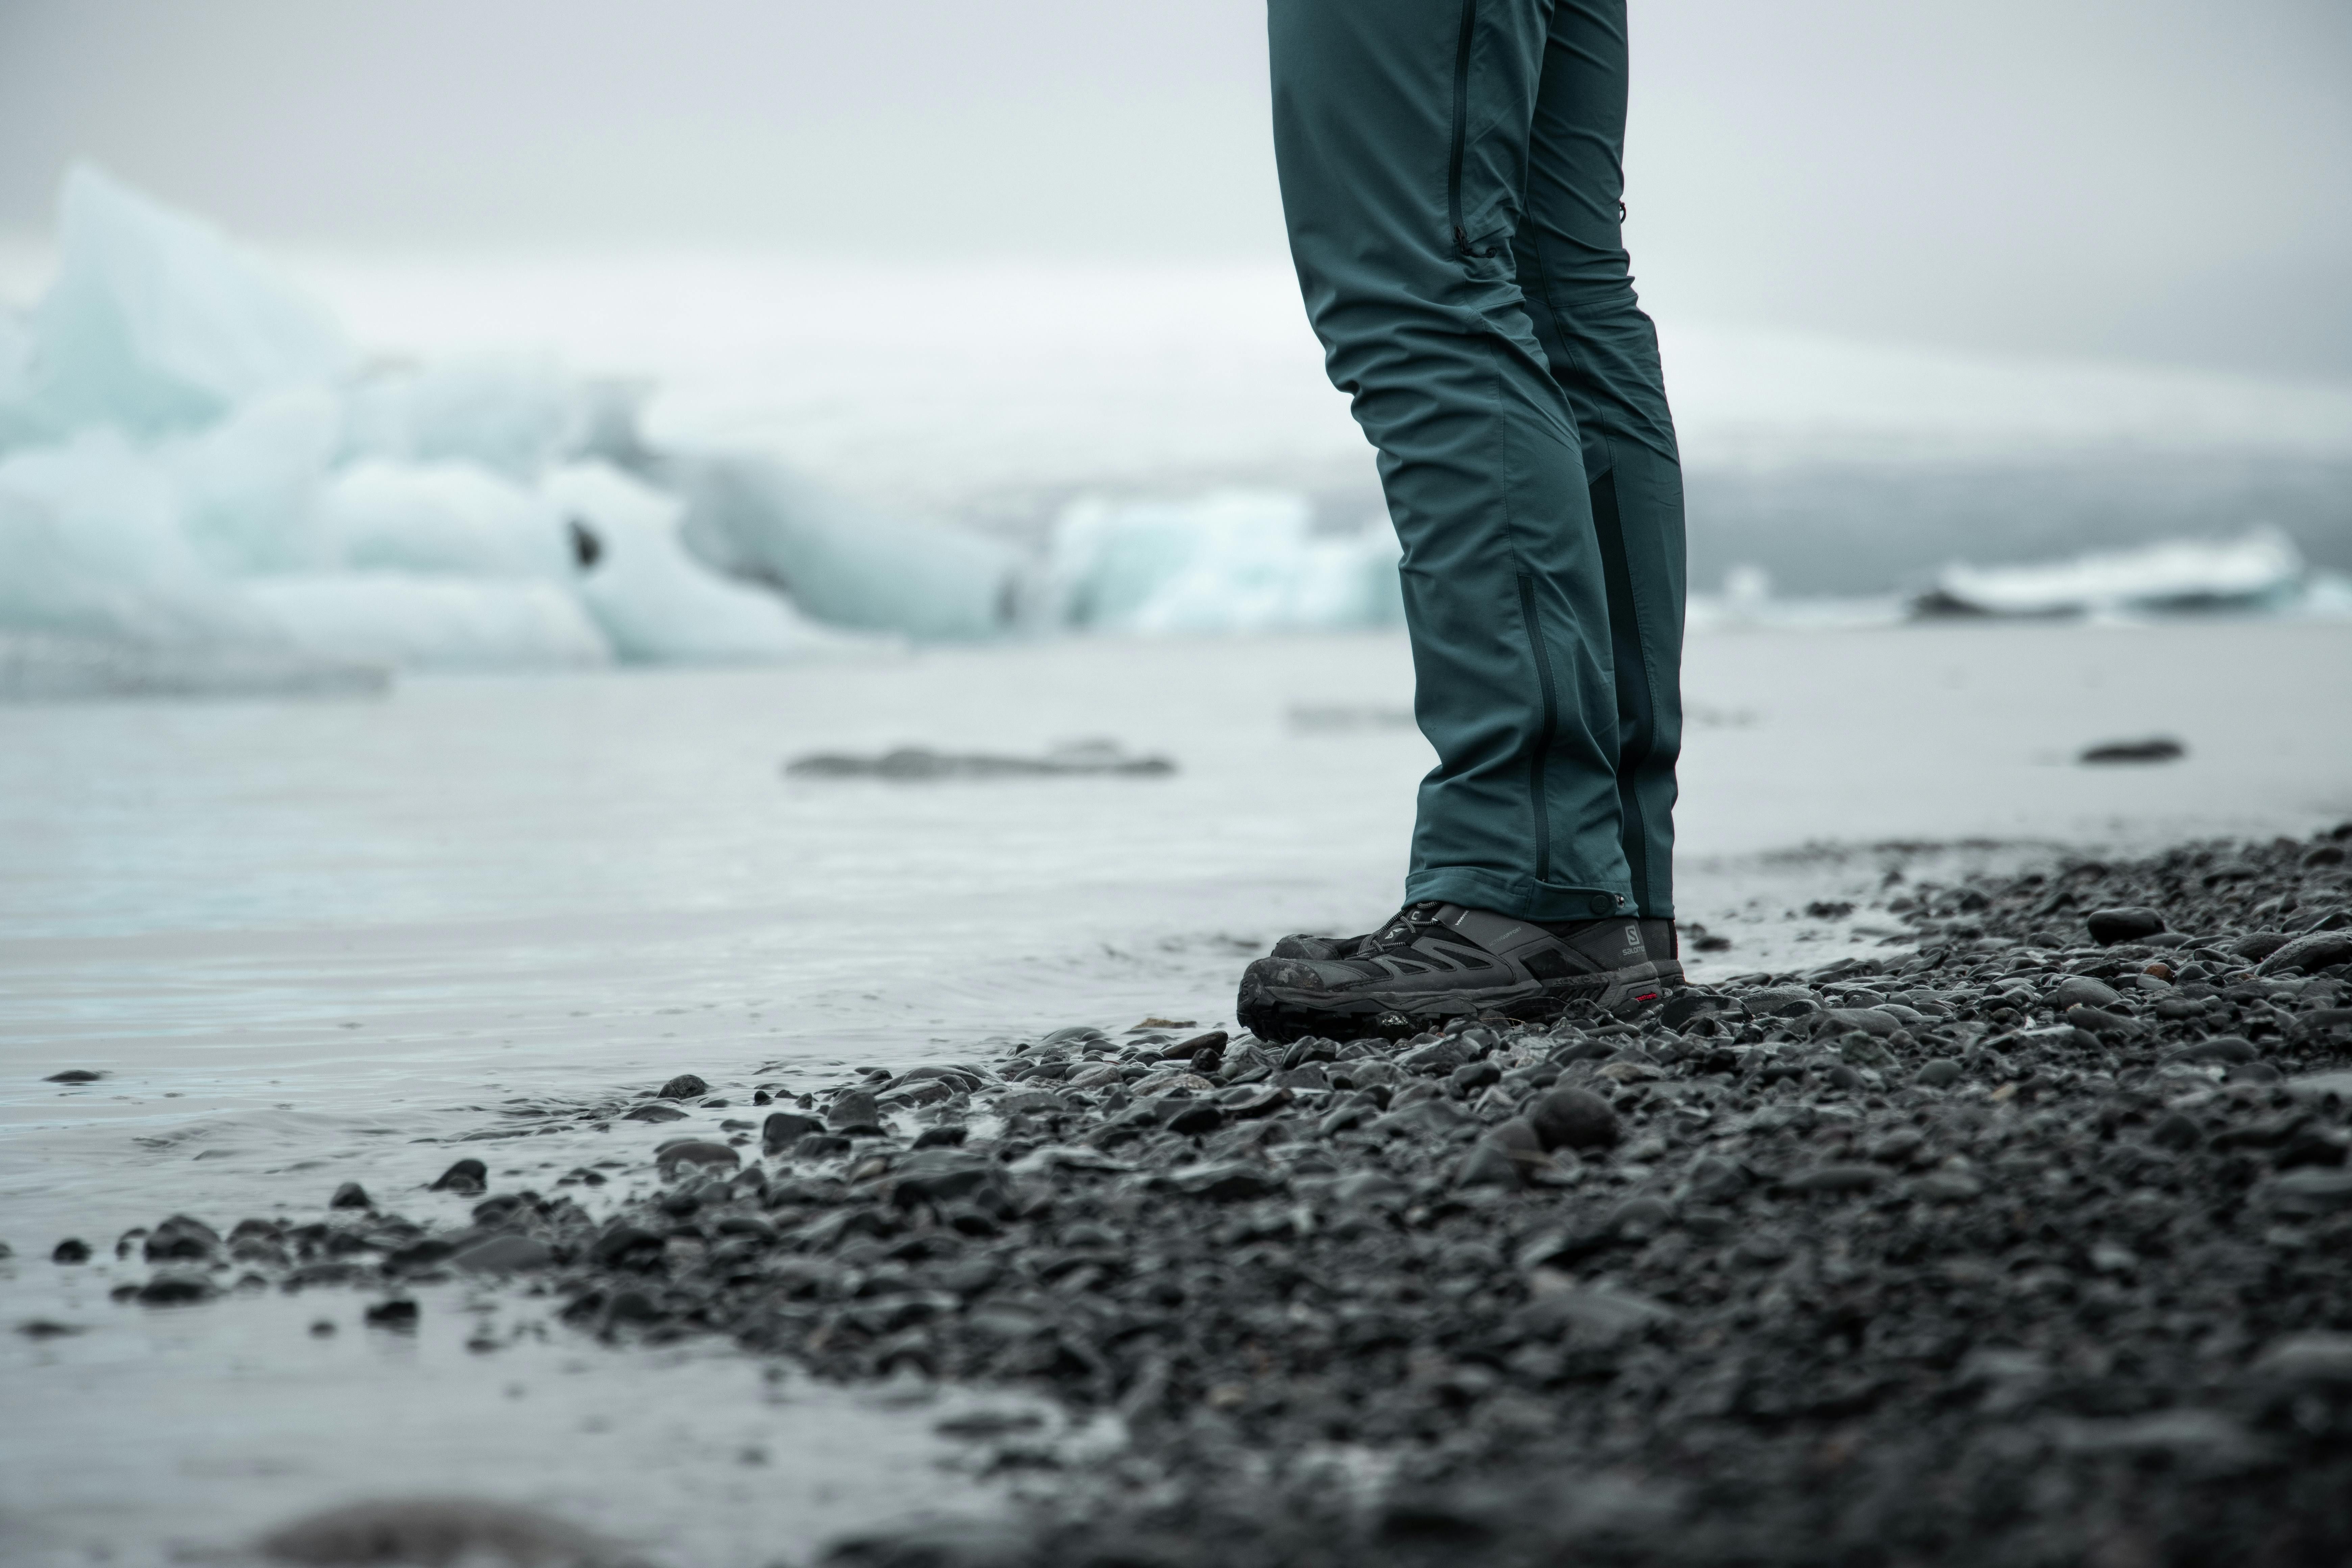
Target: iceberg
1232	560
417	620
514	415
440	517
2260	571
155	322
842	563
655	601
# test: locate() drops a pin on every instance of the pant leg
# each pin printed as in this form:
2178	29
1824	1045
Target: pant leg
1603	352
1402	131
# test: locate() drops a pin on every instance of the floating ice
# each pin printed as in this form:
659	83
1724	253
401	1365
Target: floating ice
2262	569
654	601
440	517
1227	561
841	563
91	547
155	322
515	414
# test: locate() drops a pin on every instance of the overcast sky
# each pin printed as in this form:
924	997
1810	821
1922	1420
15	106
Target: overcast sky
2159	179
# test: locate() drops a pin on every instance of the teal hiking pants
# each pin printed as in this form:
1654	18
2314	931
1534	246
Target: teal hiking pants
1451	176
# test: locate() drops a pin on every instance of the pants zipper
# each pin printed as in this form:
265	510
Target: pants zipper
1536	801
1461	124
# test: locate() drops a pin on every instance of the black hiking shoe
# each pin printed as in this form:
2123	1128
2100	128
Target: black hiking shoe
1658	939
1436	962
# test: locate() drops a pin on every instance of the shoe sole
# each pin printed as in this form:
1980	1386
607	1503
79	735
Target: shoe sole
1281	1013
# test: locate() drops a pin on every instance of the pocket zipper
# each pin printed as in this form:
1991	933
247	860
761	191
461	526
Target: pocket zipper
1461	124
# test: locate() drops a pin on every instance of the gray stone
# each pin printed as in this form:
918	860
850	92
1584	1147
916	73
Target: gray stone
1574	1118
504	1254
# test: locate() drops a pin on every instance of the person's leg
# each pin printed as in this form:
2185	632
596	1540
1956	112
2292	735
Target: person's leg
1603	352
1402	130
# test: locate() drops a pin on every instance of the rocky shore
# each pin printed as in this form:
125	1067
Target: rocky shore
2027	1242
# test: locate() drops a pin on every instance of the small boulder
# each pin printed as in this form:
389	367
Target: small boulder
1575	1119
2126	923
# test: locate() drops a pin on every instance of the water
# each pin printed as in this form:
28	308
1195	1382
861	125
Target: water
311	942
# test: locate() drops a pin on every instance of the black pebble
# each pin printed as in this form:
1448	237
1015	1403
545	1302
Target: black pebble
74	1074
685	1086
465	1176
397	1313
350	1196
72	1249
2108	927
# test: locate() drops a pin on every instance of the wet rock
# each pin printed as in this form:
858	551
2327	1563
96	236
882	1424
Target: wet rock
176	1288
1834	1181
2307	953
72	1249
2124	923
948	1135
1225	1181
698	1154
438	1530
1941	1073
505	1254
782	1128
2081	991
1575	1119
2312	1192
350	1195
1487	1164
74	1074
399	1314
181	1236
685	1086
854	1111
467	1176
654	1113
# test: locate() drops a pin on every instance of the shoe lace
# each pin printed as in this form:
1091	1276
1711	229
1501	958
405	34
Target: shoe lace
1405	924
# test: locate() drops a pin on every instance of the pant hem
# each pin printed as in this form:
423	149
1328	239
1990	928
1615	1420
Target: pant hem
1521	898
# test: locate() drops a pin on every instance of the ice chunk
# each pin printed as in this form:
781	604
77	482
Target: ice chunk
516	414
90	545
1227	561
19	424
248	488
655	602
441	516
415	620
841	564
155	322
2262	570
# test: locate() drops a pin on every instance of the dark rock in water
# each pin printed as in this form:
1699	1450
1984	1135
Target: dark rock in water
1213	1042
654	1113
948	1135
176	1288
2108	927
350	1195
182	1236
2319	950
503	1255
48	1329
782	1128
437	1530
72	1249
854	1111
398	1313
821	1146
74	1074
698	1154
1575	1119
685	1086
467	1175
2155	749
918	764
